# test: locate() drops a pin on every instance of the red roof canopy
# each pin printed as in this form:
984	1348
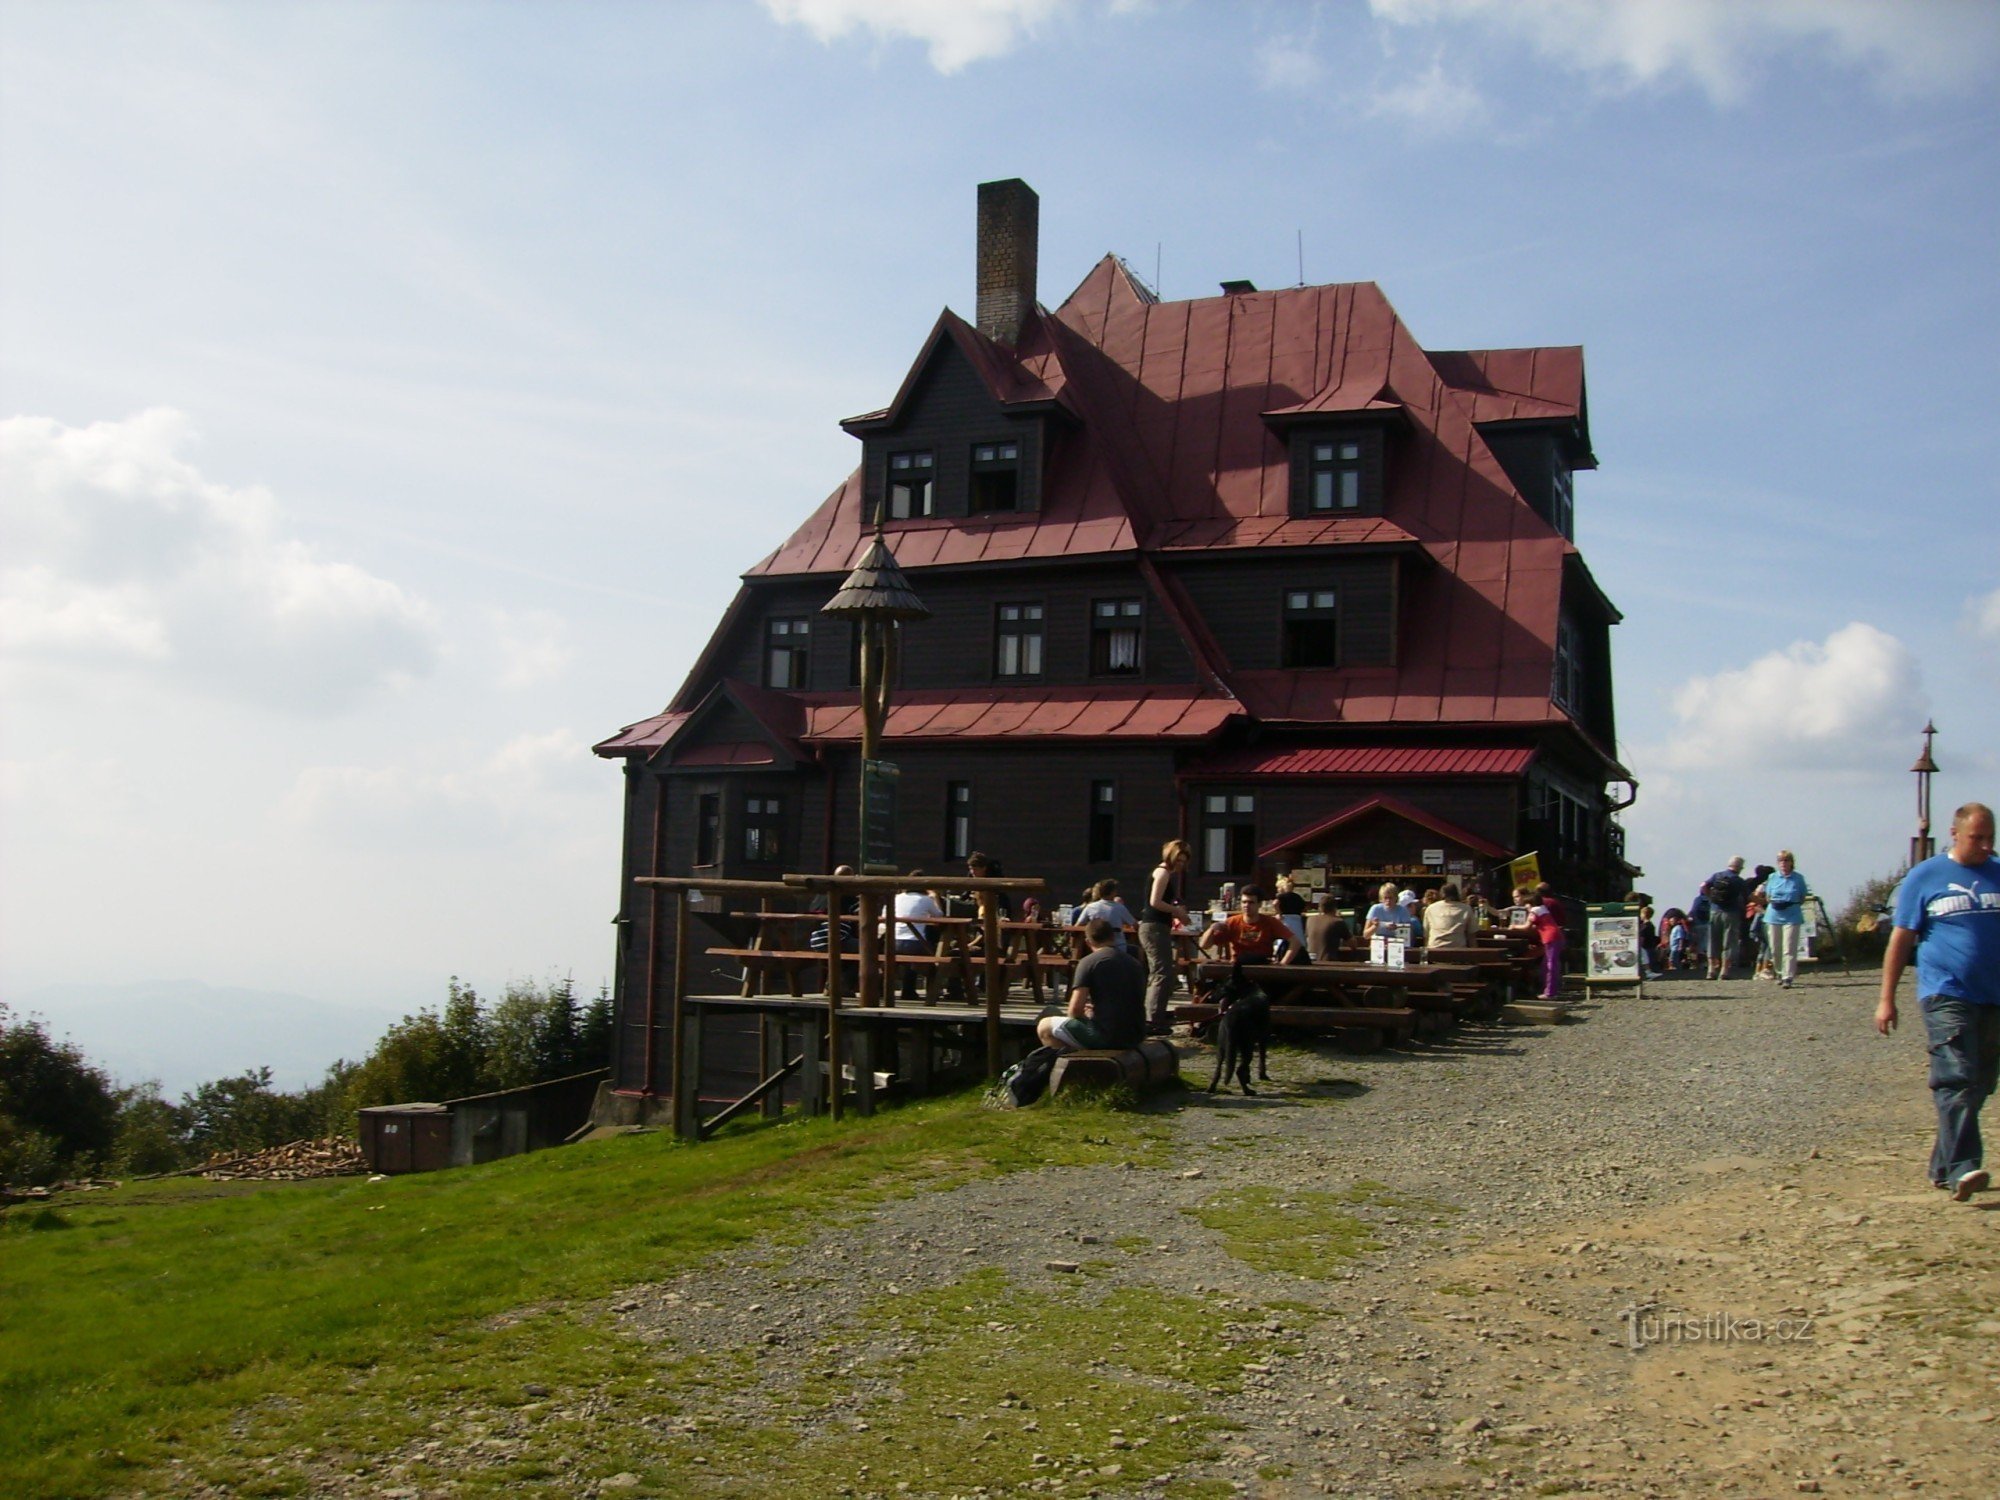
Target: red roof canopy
1397	807
1359	760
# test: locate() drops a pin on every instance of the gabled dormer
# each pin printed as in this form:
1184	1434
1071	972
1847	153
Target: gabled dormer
1338	443
966	437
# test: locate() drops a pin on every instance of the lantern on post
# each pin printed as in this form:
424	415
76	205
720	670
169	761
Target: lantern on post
878	598
1923	846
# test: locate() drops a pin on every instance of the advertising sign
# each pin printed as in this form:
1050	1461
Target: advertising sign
1527	870
1612	950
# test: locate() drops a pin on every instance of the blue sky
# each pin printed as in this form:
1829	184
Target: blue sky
394	392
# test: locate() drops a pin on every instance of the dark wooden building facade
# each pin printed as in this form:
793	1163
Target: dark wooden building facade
1256	570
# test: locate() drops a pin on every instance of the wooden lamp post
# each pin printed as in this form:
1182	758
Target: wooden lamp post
878	598
1923	846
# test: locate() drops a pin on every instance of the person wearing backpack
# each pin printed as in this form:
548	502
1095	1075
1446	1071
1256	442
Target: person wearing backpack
1725	892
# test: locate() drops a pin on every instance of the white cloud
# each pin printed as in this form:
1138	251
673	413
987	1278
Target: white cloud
1844	703
120	554
1982	617
525	785
957	32
532	645
1288	64
1910	47
1431	101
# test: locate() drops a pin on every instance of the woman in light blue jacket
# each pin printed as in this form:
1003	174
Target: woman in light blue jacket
1785	916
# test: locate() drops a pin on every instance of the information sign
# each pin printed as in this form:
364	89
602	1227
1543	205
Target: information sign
878	816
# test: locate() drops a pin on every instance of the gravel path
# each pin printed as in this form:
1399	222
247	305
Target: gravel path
1707	1148
1683	1246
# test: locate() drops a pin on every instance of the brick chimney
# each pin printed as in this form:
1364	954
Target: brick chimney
1009	224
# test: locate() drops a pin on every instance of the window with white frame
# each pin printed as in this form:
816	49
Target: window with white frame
787	651
1017	639
1228	833
1116	628
1312	628
911	492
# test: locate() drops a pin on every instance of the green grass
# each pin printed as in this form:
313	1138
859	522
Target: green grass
214	1328
1301	1232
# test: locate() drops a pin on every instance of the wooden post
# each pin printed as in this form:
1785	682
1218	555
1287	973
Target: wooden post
889	953
864	1068
687	1071
870	948
680	978
771	1030
834	1038
996	979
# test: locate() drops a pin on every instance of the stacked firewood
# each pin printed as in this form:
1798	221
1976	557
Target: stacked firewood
294	1161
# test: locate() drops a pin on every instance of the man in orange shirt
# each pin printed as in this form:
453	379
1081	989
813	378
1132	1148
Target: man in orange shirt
1250	936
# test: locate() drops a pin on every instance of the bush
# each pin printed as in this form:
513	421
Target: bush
1863	925
58	1114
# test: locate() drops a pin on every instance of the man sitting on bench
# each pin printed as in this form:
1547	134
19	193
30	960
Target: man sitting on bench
912	934
1250	936
1107	999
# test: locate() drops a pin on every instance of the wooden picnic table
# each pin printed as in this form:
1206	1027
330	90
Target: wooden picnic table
1402	1000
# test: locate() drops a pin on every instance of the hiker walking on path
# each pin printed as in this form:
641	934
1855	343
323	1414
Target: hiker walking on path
1785	916
1948	914
1725	892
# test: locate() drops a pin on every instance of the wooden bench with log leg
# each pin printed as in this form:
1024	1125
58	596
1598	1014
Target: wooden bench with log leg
1153	1061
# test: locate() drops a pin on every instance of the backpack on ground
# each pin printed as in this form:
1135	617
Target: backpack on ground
1026	1081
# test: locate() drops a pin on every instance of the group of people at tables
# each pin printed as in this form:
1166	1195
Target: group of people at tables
1292	930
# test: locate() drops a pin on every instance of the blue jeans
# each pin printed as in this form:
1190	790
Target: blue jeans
1965	1057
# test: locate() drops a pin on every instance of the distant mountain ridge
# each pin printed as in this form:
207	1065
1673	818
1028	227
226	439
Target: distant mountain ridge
184	1032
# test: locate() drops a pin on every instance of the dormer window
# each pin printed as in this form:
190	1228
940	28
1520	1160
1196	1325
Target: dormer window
912	493
1336	477
1337	472
1312	628
1562	495
996	478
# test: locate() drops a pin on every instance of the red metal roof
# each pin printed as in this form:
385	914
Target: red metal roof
643	737
1511	385
1172	455
1397	807
1010	713
1360	760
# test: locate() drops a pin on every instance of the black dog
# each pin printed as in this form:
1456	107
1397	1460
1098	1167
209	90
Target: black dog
1242	1025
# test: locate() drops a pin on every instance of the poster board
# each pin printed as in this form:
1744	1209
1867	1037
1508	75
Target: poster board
1611	950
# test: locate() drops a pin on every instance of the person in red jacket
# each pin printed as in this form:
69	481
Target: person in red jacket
1546	917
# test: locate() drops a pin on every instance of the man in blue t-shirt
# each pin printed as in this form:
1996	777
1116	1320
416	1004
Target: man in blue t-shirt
1948	915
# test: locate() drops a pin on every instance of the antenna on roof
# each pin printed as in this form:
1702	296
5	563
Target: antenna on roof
1156	268
1302	257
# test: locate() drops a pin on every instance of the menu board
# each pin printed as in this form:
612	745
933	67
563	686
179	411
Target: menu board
1612	949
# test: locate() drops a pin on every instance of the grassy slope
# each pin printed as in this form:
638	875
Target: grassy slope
137	1326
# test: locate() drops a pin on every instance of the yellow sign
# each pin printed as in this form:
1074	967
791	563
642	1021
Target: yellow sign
1527	870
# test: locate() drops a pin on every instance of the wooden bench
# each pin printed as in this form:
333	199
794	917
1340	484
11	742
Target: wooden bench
1152	1061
